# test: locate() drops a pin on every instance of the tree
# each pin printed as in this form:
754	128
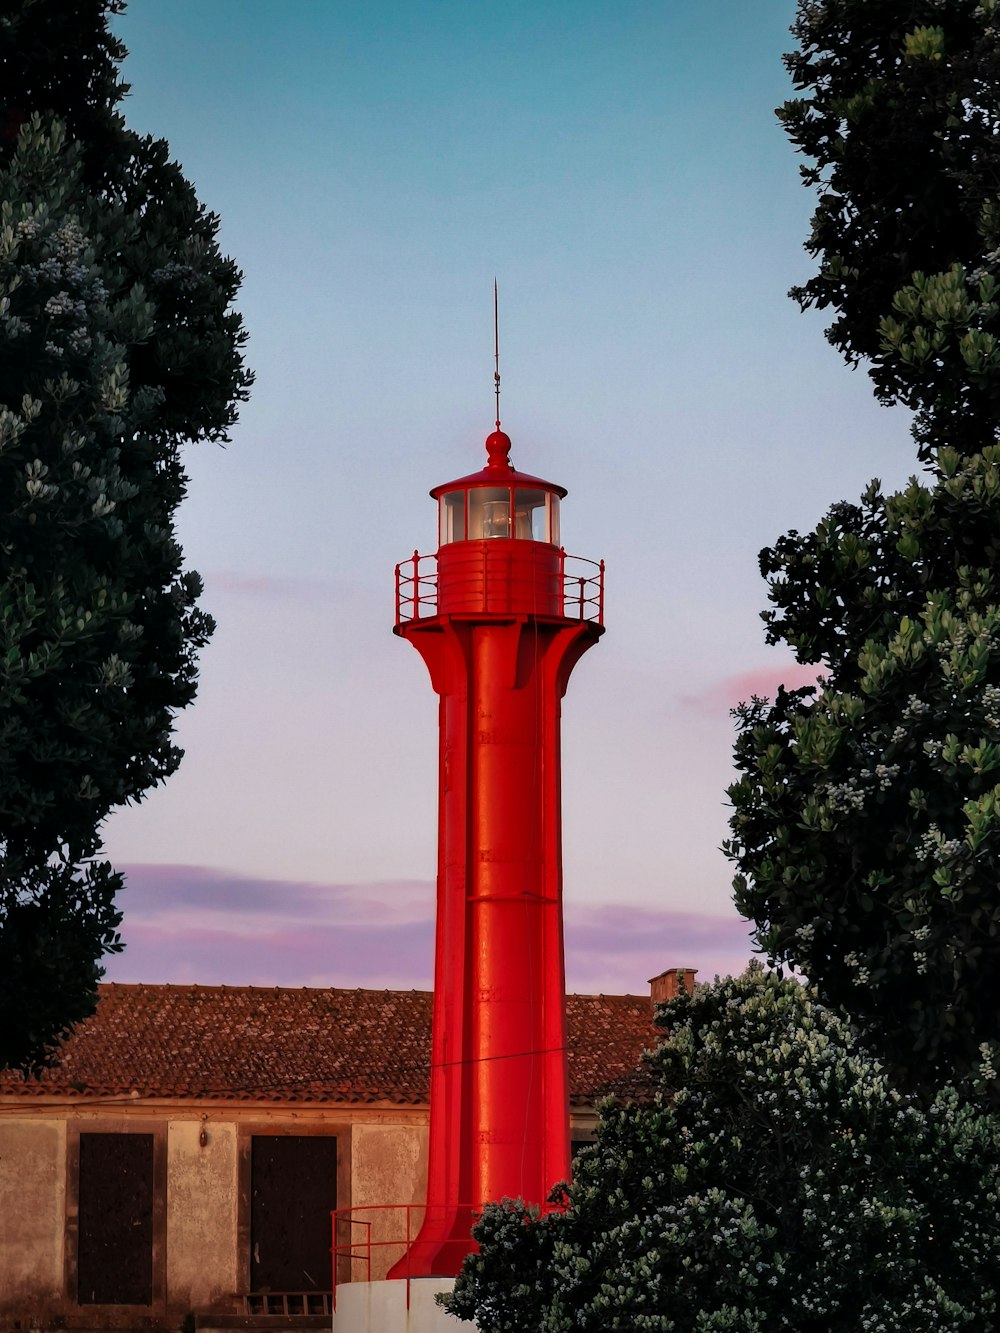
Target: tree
864	824
117	344
776	1179
901	120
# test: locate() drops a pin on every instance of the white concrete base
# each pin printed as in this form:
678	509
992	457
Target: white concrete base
380	1307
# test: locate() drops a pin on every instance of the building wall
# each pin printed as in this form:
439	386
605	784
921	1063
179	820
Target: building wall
202	1231
388	1167
201	1226
32	1215
201	1213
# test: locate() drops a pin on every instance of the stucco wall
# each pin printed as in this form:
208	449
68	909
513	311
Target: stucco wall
201	1247
201	1213
32	1215
388	1166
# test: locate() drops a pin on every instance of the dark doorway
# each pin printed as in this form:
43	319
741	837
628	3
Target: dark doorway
115	1247
293	1191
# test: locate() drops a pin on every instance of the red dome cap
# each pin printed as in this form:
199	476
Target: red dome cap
498	471
498	449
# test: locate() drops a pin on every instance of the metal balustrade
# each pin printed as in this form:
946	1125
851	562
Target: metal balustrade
582	588
353	1251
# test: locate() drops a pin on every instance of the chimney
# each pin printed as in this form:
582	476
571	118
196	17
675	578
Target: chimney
668	985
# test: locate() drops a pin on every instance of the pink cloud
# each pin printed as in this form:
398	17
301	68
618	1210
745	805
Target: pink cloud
158	888
389	957
621	947
763	682
268	586
196	924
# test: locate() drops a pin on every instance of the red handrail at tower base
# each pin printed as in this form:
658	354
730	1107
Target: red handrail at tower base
351	1251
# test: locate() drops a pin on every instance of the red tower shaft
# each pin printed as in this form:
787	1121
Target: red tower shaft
500	648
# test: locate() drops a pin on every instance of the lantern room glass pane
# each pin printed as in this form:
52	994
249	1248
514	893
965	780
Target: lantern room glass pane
452	510
554	519
531	520
489	511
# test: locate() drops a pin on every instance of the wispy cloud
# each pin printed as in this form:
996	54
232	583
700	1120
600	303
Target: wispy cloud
272	587
165	890
763	682
198	924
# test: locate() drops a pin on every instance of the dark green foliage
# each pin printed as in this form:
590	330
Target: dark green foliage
866	823
776	1181
117	344
56	925
901	120
61	62
63	59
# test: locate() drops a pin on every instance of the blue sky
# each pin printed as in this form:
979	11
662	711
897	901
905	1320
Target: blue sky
619	169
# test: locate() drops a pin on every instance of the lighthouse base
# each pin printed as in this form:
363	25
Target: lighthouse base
394	1307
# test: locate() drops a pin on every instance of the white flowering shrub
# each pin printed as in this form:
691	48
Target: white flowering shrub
775	1180
866	820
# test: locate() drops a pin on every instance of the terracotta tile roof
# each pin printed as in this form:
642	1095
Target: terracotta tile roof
308	1045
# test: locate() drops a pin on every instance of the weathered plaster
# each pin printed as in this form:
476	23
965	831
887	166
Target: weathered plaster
201	1213
32	1209
388	1166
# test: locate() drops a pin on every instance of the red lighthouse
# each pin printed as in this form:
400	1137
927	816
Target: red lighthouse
500	615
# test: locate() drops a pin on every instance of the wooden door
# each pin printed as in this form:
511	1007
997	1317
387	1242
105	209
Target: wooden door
293	1190
115	1235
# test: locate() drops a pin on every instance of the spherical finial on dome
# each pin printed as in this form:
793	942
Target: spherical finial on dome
498	449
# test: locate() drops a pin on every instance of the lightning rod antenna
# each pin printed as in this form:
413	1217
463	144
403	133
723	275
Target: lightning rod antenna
496	349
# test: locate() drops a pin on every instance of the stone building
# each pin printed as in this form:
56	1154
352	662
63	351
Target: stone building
184	1153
